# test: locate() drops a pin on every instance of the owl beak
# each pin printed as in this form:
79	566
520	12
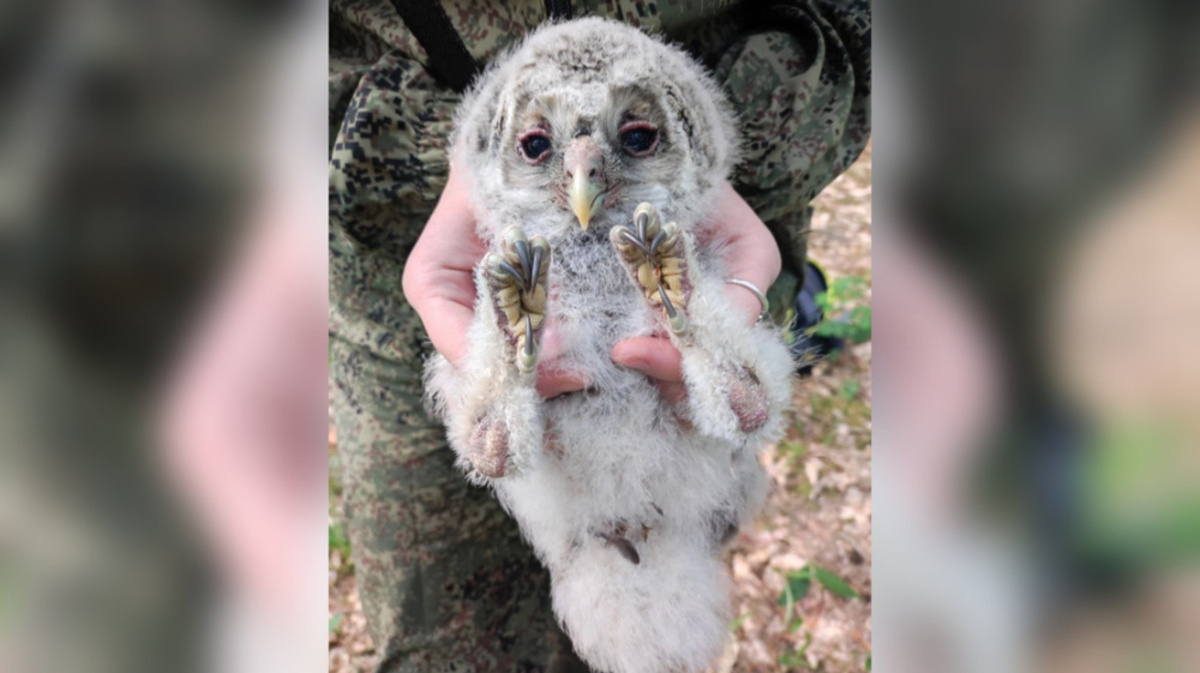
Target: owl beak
585	197
585	179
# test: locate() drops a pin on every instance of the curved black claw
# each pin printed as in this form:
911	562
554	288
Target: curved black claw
654	253
517	277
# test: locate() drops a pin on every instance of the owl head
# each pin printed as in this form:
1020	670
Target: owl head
586	119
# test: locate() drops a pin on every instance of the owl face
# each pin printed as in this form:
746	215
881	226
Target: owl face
589	118
587	149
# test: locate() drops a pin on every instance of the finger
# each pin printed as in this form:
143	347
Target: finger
655	357
673	392
750	249
448	329
450	236
747	304
438	275
444	298
553	382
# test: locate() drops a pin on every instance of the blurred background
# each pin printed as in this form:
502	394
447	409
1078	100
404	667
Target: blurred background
1037	290
162	270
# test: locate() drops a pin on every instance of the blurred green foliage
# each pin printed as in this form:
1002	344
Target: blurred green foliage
846	309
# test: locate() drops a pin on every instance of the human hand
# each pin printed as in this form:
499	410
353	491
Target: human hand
752	254
439	284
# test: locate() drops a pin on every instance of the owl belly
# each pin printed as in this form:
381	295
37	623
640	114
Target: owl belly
593	305
623	504
626	510
616	459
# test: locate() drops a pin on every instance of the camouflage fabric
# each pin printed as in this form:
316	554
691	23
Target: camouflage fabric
447	583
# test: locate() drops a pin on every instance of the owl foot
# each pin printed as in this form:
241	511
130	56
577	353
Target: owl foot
517	278
655	255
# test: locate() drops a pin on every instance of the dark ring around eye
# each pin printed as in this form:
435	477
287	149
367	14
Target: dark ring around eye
639	138
534	146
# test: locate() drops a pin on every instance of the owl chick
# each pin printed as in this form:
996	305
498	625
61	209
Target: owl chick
594	153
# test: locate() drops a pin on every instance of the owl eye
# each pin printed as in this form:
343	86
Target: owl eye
639	138
535	146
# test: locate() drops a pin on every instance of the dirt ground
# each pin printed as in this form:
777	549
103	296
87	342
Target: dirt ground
818	513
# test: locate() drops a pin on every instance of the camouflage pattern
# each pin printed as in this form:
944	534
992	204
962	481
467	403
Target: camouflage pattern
447	583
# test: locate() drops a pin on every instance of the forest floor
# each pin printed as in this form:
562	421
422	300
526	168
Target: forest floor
802	573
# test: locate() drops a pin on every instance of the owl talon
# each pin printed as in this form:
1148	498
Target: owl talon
662	235
536	268
522	248
643	215
628	236
677	320
511	272
655	255
517	278
529	349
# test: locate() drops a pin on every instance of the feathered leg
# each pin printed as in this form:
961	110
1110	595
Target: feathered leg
738	376
490	404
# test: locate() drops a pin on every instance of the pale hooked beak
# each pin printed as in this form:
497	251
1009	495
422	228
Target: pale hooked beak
584	167
585	198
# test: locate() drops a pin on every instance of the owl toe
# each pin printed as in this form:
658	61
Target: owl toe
654	253
517	278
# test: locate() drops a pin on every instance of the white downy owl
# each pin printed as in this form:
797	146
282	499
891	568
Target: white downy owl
593	154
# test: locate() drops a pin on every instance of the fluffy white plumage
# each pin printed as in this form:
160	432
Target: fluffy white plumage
625	498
